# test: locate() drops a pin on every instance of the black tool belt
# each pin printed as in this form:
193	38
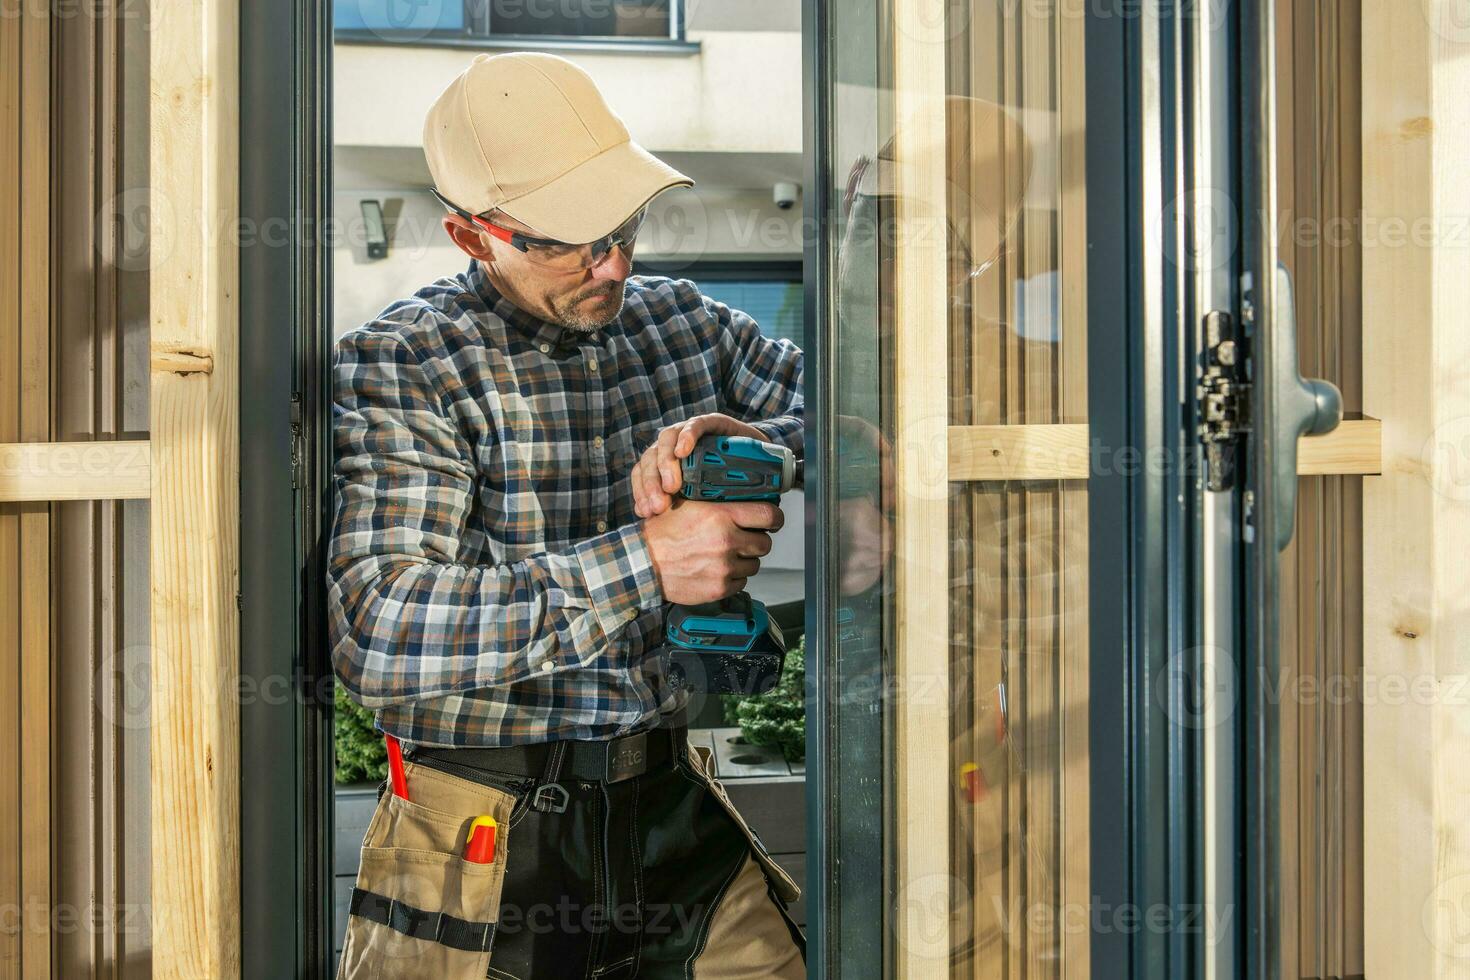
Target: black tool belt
610	761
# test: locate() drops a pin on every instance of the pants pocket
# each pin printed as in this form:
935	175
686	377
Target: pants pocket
782	883
419	908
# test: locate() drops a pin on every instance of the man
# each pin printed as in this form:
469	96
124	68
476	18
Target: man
507	535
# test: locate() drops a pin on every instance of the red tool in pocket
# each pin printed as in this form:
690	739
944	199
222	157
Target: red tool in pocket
479	846
397	780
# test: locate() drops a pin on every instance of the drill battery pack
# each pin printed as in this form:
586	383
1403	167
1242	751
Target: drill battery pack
727	647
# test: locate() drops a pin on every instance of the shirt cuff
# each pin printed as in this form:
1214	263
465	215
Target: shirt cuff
788	431
618	571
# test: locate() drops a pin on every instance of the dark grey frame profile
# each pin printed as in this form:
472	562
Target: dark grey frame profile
1259	868
821	550
285	289
1144	520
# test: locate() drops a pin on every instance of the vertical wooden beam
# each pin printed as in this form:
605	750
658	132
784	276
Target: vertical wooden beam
10	555
921	485
1416	195
25	529
195	723
1076	829
35	521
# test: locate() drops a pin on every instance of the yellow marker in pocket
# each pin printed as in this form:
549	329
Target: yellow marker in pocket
479	847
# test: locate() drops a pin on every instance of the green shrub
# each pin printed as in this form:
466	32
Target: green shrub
777	719
361	755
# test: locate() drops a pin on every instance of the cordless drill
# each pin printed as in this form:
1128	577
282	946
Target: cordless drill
731	646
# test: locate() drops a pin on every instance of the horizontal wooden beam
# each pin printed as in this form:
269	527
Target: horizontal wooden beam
998	453
995	453
1354	448
40	471
977	453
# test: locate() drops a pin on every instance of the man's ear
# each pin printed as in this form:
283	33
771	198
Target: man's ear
470	239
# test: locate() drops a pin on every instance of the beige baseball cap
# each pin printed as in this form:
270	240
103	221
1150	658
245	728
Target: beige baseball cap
530	134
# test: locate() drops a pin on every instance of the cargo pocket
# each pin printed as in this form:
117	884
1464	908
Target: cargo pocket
419	908
782	884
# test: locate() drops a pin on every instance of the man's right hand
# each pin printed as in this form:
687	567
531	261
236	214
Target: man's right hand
704	552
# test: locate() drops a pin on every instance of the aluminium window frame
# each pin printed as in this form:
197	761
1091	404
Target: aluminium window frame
675	42
286	789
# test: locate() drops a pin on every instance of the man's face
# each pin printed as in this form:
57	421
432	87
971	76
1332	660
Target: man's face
584	299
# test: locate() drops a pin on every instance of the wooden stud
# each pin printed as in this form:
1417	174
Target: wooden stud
35	643
11	559
179	359
921	487
1355	448
998	453
1416	518
194	159
74	471
1075	832
1001	453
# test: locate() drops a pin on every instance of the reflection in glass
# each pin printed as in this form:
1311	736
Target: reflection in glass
1007	129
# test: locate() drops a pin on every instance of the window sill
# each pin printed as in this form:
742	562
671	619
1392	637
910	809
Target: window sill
511	42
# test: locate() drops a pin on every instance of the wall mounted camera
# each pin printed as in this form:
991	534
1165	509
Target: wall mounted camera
785	194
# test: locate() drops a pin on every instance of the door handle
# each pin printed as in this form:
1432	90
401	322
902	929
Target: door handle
1301	407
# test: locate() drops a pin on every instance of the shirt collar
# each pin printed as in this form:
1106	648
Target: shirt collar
526	324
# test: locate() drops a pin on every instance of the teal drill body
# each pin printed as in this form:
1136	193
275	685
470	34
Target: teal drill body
731	646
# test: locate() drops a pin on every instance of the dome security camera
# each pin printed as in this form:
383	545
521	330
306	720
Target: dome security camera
785	194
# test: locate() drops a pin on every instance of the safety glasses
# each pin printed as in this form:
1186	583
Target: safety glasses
548	252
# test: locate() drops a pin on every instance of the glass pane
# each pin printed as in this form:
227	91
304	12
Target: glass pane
581	18
411	16
958	177
775	305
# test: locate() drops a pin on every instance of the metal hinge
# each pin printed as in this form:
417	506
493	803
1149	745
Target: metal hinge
298	444
1223	394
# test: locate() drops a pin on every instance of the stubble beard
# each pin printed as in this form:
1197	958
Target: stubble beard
588	318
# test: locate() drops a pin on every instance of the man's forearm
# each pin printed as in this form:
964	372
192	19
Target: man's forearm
406	630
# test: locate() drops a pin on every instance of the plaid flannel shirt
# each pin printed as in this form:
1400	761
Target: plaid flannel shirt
489	583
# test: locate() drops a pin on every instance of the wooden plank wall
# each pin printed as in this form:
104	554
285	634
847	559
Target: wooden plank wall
1319	196
100	573
25	528
1416	517
194	161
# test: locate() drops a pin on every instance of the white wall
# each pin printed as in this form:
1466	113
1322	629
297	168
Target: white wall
683	226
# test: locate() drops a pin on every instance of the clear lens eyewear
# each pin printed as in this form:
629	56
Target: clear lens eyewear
553	254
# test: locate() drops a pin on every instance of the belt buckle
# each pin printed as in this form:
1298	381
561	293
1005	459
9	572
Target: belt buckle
628	757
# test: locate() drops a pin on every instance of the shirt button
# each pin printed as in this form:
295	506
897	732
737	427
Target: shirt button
547	667
632	614
597	442
546	348
591	364
602	525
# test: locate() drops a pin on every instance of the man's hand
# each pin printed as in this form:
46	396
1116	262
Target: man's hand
704	552
865	543
657	476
